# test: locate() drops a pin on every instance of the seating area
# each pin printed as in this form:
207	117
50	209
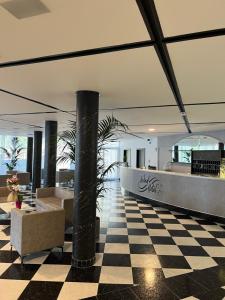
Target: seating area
42	224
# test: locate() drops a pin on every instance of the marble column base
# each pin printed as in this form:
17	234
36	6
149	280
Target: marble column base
77	263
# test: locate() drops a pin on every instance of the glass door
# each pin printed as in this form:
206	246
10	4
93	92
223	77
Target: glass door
111	155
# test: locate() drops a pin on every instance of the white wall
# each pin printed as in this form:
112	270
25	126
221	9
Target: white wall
159	151
165	144
151	156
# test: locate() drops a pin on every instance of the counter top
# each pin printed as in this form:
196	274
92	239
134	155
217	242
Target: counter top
178	174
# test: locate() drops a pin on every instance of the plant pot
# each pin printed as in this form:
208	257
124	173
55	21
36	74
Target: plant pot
11	172
18	204
97	228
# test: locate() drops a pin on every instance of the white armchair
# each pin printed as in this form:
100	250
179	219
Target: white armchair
36	231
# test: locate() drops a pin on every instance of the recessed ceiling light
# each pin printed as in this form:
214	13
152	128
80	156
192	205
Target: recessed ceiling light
25	8
151	129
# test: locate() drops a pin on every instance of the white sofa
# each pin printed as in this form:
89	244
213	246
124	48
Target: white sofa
54	198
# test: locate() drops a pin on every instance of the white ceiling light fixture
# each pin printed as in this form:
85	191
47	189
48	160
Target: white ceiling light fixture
25	8
151	129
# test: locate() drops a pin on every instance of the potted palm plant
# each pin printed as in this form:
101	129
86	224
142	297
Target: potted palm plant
108	132
187	156
13	154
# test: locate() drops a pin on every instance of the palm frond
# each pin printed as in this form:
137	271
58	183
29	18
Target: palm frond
108	132
6	152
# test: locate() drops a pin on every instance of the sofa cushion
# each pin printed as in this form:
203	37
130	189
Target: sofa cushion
49	203
63	194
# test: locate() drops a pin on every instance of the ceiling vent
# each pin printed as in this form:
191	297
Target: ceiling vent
25	8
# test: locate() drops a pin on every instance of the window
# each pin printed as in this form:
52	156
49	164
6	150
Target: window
181	151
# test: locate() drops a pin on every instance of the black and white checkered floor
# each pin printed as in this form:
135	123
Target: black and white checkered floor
144	252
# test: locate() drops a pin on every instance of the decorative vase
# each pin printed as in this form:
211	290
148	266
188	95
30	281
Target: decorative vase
12	197
18	204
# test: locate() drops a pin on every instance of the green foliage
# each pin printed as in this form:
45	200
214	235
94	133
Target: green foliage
20	197
187	156
108	130
13	153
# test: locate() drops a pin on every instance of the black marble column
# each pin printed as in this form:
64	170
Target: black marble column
50	153
29	155
176	153
36	178
84	213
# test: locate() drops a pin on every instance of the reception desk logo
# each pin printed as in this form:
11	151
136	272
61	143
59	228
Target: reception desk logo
149	183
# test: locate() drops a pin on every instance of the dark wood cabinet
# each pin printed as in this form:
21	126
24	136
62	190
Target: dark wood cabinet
206	162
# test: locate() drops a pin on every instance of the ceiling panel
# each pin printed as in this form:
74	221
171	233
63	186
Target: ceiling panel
16	128
152	121
10	104
204	127
200	69
70	26
36	120
154	116
206	113
124	79
180	17
159	129
137	120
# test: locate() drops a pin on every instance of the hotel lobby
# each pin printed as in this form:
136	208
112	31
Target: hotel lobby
112	159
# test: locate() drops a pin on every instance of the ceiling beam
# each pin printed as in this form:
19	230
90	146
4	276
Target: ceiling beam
29	113
74	54
138	107
15	122
205	103
35	101
161	106
155	124
120	108
115	48
194	36
172	124
205	123
150	16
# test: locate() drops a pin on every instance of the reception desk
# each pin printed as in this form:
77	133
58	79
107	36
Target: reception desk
205	195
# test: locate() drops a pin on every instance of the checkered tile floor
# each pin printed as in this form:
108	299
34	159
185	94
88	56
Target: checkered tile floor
140	245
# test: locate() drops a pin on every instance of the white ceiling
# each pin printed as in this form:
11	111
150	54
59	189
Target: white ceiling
186	16
124	79
207	113
149	116
200	69
71	25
